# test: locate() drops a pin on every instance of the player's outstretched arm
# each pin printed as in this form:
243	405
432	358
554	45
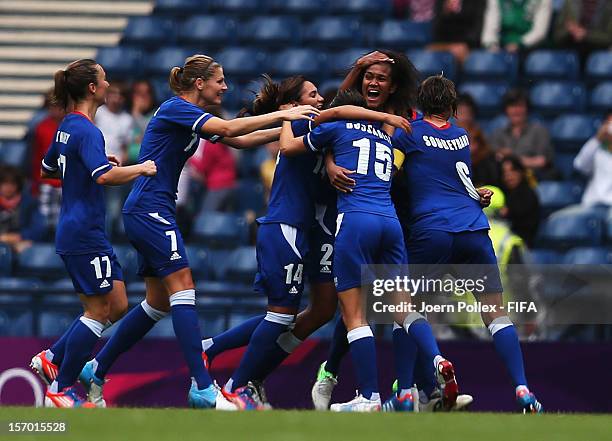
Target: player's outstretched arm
242	126
360	113
255	139
123	175
289	144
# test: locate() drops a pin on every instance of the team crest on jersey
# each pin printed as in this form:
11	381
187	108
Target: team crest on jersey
104	284
293	290
175	256
325	269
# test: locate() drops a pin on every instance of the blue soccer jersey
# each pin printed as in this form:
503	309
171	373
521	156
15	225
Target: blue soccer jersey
170	138
78	152
437	170
294	186
363	147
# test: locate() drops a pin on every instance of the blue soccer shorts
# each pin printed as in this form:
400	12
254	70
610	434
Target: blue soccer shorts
321	245
281	253
366	239
93	273
158	241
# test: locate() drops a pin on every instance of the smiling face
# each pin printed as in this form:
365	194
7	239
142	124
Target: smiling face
213	88
310	96
99	90
377	85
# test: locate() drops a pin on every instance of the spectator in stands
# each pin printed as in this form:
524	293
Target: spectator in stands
49	191
522	208
514	25
457	26
20	220
467	112
595	161
115	123
415	10
142	106
528	140
584	25
485	167
214	166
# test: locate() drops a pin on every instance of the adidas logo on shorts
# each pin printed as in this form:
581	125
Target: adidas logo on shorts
104	284
325	270
175	256
293	290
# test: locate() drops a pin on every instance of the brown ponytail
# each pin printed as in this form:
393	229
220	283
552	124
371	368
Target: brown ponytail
272	95
182	79
71	84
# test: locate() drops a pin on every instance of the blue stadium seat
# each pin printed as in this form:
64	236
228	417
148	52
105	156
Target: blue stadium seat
238	7
329	85
162	89
242	62
333	32
402	34
6	260
309	62
303	8
243	265
552	65
482	65
364	9
588	256
220	230
61	286
162	60
555	195
250	162
179	7
14	153
564	163
250	195
269	32
15	323
551	98
19	285
149	31
199	261
128	258
208	31
570	132
488	96
433	63
490	125
571	227
54	323
40	260
601	97
599	66
341	62
543	256
120	61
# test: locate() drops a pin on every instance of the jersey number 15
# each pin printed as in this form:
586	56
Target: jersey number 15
383	162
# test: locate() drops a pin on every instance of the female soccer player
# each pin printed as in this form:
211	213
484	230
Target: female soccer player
170	138
77	155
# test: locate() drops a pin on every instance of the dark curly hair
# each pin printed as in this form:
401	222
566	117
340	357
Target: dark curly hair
272	95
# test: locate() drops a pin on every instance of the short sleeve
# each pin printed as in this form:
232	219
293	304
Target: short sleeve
403	142
320	138
186	115
91	151
301	127
49	162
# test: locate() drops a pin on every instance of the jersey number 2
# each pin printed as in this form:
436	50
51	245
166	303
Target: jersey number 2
383	162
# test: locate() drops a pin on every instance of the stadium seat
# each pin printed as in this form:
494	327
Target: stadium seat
54	323
488	96
564	163
14	153
555	195
599	66
250	196
19	285
220	230
61	286
551	98
40	260
179	7
570	132
601	97
588	256
199	261
364	9
309	62
482	65
149	31
238	7
16	323
242	62
490	125
243	265
270	32
551	65
340	63
250	162
609	228
543	256
571	227
208	31
120	61
402	34
6	260
162	89
333	32
433	63
303	8
160	62
329	85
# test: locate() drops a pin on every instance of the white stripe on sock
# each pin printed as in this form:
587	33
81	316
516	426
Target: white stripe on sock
499	323
277	317
359	333
411	318
155	314
95	326
288	342
207	343
186	297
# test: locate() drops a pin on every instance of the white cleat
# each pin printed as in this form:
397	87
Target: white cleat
357	404
322	389
434	403
223	403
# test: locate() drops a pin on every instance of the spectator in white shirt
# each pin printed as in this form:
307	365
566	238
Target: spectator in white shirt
115	123
595	161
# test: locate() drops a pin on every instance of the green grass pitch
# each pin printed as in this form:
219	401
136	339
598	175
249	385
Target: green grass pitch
191	425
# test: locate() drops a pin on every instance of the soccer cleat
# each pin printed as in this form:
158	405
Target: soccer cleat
446	378
260	394
44	368
67	398
322	389
92	384
433	403
405	403
527	401
202	399
357	404
244	398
